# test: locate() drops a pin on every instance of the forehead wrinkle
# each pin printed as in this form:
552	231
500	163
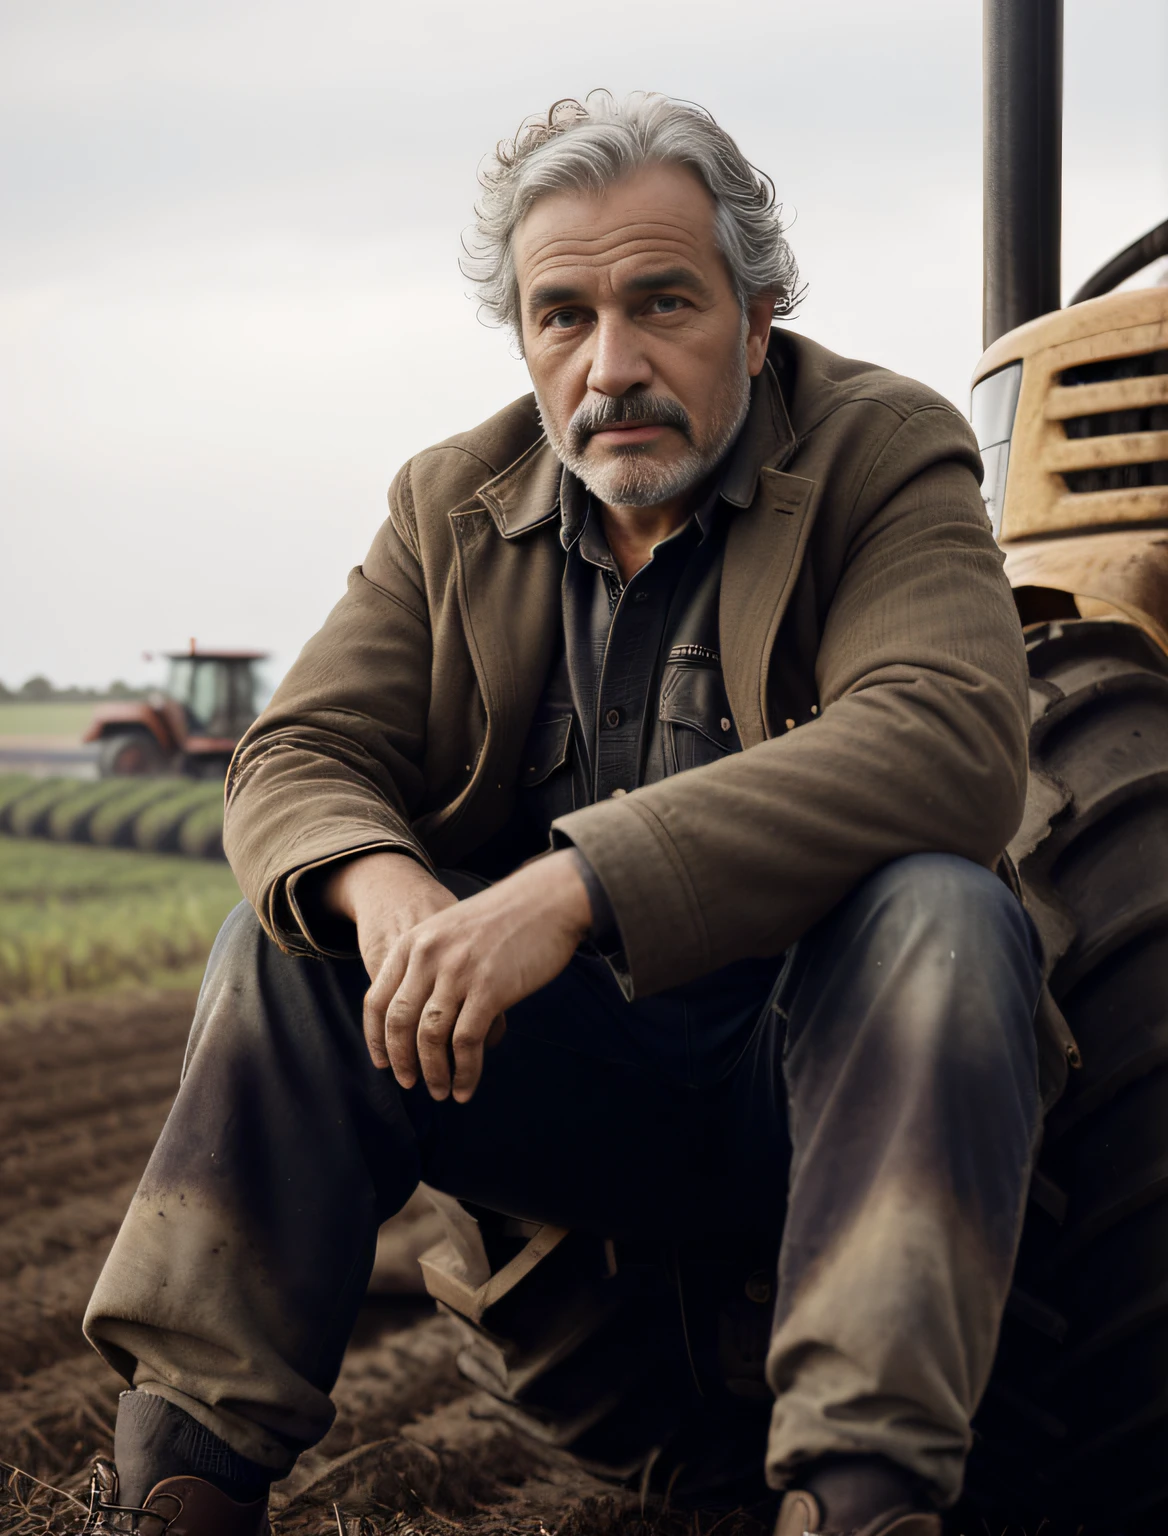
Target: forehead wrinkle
645	224
581	243
557	262
652	257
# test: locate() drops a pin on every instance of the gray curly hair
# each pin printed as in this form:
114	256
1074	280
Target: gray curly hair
586	146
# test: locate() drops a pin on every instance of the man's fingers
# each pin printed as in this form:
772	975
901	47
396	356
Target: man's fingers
400	1026
410	1011
405	983
435	1027
478	1024
377	999
373	1025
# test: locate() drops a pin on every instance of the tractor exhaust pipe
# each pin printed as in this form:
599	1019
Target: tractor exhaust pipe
1023	162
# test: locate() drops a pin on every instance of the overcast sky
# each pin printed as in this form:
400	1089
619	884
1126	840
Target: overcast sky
230	304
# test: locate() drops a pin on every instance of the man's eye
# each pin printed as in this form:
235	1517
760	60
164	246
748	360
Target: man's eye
563	319
666	304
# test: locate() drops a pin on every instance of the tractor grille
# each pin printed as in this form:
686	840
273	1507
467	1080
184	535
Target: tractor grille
1126	400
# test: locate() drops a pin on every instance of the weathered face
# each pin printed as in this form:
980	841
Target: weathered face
635	341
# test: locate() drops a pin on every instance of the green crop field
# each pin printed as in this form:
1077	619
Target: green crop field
156	814
77	918
66	720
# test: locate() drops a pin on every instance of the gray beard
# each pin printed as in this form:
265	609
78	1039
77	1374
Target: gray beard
627	477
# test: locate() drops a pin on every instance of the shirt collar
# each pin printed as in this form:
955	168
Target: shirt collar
735	482
580	526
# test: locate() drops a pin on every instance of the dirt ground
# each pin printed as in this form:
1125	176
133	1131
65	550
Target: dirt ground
85	1084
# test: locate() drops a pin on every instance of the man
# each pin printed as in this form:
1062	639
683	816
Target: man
716	618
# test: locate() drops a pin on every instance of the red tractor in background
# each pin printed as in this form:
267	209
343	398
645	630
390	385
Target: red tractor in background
189	727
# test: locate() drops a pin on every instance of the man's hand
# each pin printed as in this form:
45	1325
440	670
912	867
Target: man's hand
385	895
444	972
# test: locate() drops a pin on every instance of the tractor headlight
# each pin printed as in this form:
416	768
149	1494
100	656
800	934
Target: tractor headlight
992	407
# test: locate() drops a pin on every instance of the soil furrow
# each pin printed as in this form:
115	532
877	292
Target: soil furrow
151	1007
44	1236
45	1168
41	1309
70	1098
68	1054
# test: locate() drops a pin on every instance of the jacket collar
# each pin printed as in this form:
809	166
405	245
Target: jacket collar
526	494
766	441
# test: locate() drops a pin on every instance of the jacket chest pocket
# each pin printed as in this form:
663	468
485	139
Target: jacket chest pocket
696	724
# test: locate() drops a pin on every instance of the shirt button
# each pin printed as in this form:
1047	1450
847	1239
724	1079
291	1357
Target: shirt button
724	723
612	718
617	793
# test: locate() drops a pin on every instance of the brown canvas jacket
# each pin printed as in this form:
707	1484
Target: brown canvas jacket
871	654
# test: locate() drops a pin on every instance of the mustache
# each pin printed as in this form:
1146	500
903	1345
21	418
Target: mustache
642	410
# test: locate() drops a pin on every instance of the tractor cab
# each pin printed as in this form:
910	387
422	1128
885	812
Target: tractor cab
216	690
192	726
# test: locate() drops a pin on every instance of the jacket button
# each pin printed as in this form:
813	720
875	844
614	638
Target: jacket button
758	1288
724	723
617	793
612	718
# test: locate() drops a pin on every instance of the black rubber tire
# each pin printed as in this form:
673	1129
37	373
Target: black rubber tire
130	752
1078	1413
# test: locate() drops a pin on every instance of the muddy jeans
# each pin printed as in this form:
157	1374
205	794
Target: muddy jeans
878	1106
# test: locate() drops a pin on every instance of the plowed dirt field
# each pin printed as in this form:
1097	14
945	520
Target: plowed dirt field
85	1084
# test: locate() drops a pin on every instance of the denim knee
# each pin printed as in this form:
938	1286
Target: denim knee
935	947
240	927
955	934
950	894
236	933
256	989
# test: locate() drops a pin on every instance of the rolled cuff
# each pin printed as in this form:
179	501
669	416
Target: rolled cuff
286	911
296	902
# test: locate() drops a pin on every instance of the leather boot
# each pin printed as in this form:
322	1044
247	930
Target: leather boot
800	1516
177	1506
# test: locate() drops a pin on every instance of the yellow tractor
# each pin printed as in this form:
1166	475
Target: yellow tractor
1070	407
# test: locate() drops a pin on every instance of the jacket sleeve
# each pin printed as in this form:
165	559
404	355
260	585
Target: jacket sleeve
919	745
333	764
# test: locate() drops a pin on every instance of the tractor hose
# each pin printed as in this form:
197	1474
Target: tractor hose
1141	253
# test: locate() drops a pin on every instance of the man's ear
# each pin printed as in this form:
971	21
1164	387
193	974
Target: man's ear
759	314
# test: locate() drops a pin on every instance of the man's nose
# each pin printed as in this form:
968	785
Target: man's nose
618	363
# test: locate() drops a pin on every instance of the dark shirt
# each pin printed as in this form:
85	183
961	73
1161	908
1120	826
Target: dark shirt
635	691
641	660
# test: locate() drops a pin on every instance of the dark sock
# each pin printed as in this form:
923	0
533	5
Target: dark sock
153	1439
853	1490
